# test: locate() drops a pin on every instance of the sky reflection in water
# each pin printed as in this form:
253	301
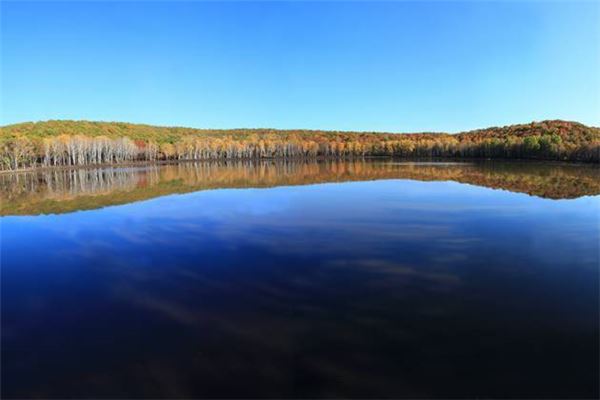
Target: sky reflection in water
389	288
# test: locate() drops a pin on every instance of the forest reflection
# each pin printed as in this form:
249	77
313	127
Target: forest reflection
67	190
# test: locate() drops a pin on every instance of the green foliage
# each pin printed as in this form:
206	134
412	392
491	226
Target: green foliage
65	143
531	144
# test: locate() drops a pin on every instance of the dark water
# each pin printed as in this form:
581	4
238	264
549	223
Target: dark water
350	280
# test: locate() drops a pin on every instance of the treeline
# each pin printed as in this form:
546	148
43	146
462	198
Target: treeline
80	143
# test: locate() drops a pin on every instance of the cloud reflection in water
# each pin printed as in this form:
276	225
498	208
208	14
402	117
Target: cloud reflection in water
389	288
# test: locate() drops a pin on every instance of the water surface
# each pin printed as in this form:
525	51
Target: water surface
339	279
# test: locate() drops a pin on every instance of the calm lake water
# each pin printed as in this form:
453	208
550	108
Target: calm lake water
339	279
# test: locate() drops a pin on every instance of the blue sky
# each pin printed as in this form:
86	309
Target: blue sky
392	66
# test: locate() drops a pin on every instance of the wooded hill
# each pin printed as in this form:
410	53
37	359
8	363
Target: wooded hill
75	143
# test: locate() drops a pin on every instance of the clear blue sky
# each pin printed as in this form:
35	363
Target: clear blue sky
394	66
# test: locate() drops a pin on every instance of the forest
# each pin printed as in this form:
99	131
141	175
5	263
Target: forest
82	143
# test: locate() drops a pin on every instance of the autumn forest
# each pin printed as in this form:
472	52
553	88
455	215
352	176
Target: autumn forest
82	143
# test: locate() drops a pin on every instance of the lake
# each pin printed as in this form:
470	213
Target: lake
301	279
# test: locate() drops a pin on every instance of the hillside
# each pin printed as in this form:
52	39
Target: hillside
66	143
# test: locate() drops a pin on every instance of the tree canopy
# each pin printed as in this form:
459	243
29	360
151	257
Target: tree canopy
75	143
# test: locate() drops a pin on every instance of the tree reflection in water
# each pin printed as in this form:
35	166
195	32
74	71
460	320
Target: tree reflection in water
67	190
